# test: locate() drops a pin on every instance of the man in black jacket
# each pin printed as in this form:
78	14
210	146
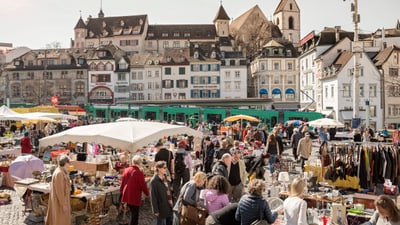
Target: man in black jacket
221	166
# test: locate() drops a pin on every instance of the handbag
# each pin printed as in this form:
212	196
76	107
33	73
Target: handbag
191	215
260	220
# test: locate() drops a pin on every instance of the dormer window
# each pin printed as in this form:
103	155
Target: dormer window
122	66
164	35
288	52
196	55
101	54
169	58
186	34
213	55
122	23
176	34
150	34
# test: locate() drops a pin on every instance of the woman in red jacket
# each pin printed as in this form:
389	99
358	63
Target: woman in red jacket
26	146
132	186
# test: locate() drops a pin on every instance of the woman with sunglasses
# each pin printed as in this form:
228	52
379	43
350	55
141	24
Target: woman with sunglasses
160	195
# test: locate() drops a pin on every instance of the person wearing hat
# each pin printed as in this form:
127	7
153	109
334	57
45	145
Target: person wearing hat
26	146
163	154
304	149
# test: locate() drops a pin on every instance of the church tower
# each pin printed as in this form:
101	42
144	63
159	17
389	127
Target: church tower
221	22
80	31
287	18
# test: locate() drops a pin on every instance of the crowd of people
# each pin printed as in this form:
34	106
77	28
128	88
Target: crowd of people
223	174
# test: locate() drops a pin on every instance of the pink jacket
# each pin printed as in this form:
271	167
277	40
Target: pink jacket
214	200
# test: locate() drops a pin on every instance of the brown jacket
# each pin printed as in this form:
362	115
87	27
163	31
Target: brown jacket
60	192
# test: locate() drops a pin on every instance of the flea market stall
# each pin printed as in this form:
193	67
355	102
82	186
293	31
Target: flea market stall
94	151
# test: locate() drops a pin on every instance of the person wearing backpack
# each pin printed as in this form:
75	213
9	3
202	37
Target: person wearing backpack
183	166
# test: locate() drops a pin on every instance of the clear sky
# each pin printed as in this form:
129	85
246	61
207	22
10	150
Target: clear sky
35	23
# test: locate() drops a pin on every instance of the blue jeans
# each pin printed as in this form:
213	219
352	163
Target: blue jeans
272	161
164	221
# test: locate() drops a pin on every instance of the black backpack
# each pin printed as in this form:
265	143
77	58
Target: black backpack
180	163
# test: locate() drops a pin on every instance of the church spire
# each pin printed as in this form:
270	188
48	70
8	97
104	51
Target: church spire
101	13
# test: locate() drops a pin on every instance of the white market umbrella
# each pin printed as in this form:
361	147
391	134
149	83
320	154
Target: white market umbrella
9	114
325	122
23	166
125	119
34	115
129	135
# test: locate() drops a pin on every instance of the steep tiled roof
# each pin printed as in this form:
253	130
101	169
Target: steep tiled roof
384	55
176	56
328	36
341	60
113	26
187	31
80	24
204	49
221	14
238	22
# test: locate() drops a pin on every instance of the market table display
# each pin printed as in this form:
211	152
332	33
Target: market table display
13	152
90	167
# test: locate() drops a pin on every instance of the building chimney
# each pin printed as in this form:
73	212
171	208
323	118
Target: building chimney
337	33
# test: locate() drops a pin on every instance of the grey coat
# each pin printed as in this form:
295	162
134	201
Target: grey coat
159	198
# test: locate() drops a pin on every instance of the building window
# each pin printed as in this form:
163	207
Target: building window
394	91
372	90
361	90
263	67
165	44
176	44
103	78
167	71
290	79
393	72
276	66
346	90
372	110
149	74
326	91
214	80
204	80
121	77
290	66
237	85
227	74
181	83
63	62
16	91
79	88
227	85
237	74
291	23
332	91
276	79
182	70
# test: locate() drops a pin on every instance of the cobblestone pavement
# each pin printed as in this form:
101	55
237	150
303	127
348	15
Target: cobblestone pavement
13	213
